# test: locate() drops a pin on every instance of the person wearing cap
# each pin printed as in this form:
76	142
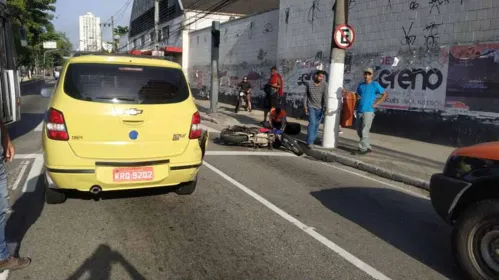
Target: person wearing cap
368	98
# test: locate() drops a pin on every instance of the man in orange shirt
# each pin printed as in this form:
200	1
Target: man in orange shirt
276	92
277	118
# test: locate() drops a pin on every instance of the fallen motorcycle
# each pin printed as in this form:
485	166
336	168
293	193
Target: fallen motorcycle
259	137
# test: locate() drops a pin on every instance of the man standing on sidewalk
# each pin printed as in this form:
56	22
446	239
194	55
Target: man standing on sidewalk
315	105
274	92
367	100
7	150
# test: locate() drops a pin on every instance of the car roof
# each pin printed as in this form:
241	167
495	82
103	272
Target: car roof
125	58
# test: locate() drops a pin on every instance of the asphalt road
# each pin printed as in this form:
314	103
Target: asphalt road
254	215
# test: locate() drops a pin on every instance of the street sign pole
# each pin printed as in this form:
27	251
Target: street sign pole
215	44
342	38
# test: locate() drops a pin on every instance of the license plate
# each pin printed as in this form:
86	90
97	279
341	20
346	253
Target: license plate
133	174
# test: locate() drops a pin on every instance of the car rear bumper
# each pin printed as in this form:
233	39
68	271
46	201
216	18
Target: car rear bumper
445	192
84	179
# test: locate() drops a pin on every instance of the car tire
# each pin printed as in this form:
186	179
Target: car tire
54	196
473	238
187	188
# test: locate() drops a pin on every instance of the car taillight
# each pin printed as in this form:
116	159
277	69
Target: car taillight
195	126
56	126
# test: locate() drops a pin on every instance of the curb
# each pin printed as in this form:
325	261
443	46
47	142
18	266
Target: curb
328	156
370	168
205	117
25	83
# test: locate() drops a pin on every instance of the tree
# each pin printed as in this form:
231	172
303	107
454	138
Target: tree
120	30
64	48
35	16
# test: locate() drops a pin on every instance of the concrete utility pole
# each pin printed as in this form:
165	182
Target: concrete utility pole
112	34
100	29
336	73
215	44
156	24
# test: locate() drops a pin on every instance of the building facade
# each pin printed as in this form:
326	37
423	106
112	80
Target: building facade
176	19
90	33
438	60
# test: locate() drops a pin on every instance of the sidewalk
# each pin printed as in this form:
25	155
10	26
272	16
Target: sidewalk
404	160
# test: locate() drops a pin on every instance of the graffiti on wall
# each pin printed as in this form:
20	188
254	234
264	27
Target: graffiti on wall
297	72
232	74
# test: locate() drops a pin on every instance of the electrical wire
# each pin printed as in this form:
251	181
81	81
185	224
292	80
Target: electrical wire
118	17
213	9
121	10
206	12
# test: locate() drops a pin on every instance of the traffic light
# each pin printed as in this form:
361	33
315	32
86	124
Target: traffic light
215	38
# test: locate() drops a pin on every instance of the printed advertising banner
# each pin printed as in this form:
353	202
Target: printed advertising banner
473	78
414	83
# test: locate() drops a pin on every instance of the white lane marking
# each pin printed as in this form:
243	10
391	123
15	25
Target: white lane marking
24	165
248	153
378	181
26	156
4	275
34	172
39	127
210	129
309	230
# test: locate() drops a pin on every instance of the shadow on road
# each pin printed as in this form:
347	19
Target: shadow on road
26	211
27	124
404	221
32	112
109	195
31	87
99	265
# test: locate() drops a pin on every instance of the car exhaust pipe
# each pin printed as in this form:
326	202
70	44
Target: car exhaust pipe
95	190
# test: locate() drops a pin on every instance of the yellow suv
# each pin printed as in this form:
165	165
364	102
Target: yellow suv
121	122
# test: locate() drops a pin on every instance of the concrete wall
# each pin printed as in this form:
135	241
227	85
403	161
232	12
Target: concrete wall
248	47
438	60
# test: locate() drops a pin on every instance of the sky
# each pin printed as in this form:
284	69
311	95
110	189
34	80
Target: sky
68	11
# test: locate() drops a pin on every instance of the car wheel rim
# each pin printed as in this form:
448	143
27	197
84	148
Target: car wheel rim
483	245
489	249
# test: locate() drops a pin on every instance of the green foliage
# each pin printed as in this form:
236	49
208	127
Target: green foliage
36	16
120	30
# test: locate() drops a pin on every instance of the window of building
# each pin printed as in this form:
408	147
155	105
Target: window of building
166	32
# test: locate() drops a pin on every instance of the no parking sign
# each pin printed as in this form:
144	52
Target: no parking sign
344	36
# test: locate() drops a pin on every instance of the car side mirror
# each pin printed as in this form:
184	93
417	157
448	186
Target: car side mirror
46	92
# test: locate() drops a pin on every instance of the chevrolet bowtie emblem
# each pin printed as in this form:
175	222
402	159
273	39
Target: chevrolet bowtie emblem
132	112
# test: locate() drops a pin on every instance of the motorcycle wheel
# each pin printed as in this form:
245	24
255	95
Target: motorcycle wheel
291	144
230	137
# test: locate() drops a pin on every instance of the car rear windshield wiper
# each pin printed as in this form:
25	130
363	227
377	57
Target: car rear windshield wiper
115	98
